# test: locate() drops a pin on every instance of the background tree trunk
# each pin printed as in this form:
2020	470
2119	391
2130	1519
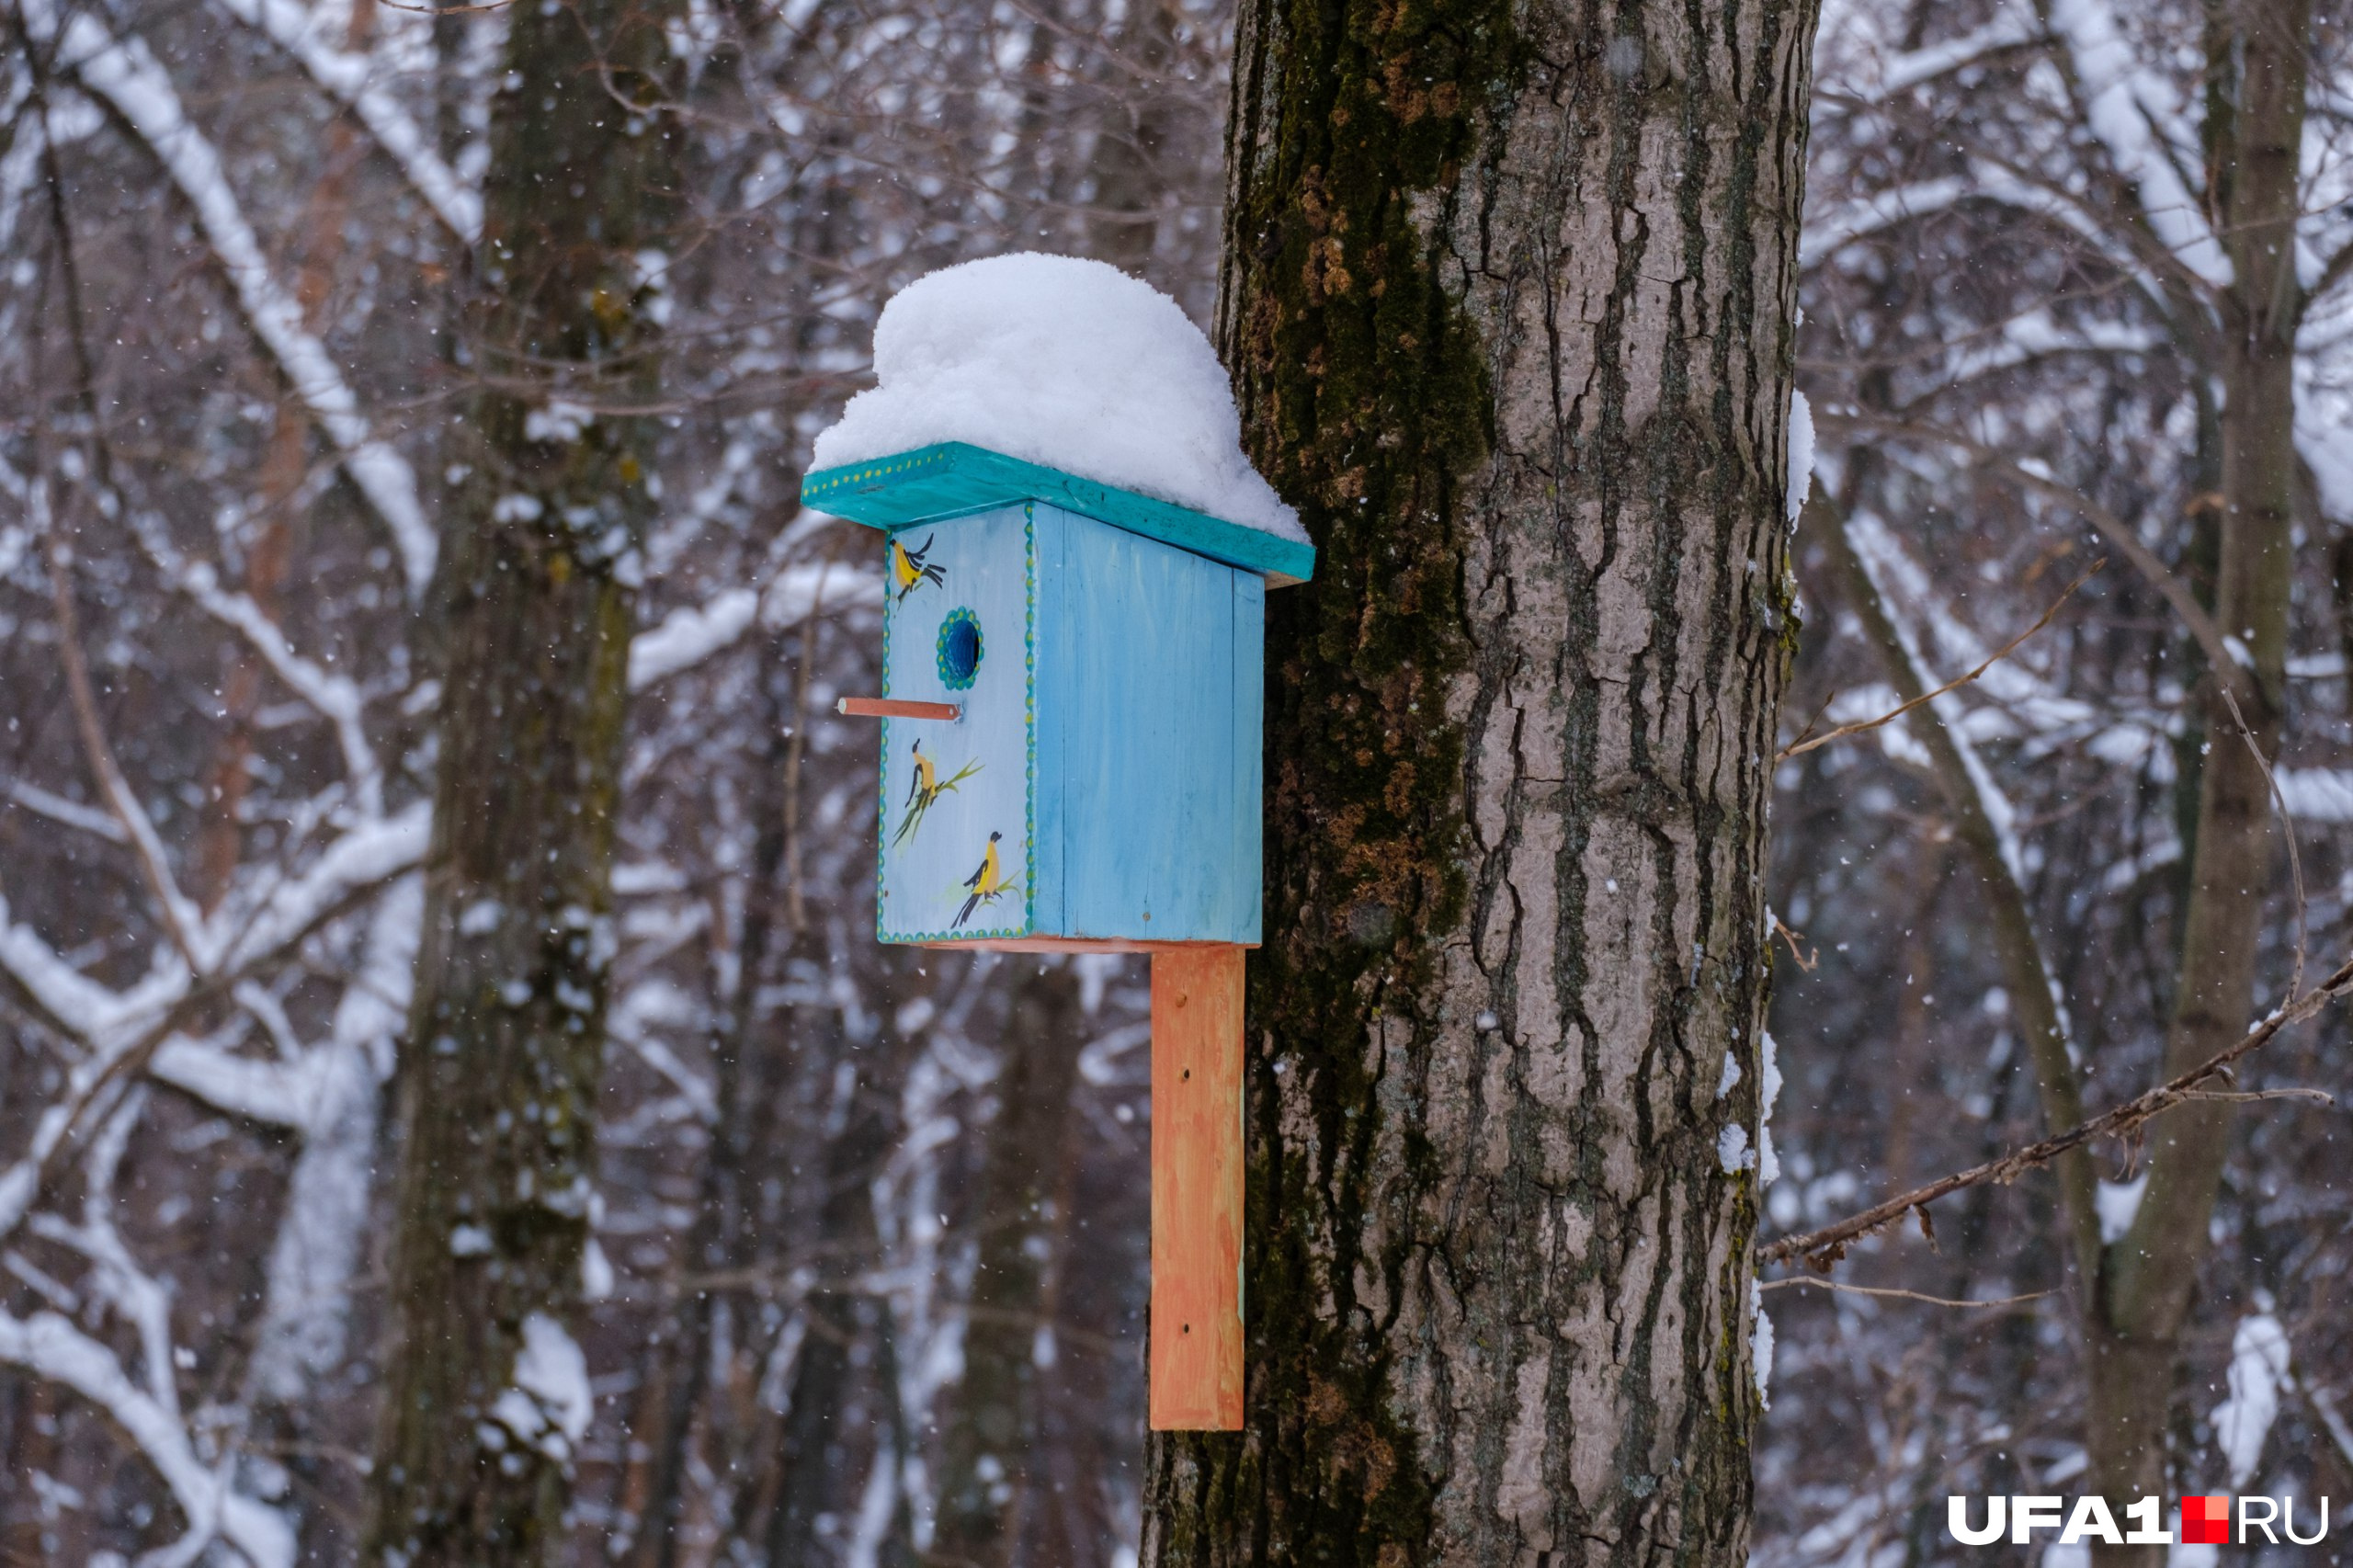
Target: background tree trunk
2258	53
2033	994
1508	297
749	1062
843	1411
993	1452
497	1093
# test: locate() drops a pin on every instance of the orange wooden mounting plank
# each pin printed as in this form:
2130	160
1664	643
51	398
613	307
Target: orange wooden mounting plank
1196	1360
892	708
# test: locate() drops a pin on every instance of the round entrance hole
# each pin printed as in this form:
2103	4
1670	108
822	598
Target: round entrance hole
959	648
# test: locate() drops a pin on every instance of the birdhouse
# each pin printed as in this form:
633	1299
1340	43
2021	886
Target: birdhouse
1073	679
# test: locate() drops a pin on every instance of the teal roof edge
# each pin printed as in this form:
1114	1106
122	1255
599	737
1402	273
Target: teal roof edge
953	478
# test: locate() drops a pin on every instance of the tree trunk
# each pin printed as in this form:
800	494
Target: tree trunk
827	1427
497	1093
1124	228
2150	1273
746	1061
2009	921
994	1455
1508	297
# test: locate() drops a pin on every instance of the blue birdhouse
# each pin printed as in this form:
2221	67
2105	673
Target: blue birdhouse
1073	679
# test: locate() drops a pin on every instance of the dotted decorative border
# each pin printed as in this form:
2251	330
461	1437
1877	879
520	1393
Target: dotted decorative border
1029	782
865	473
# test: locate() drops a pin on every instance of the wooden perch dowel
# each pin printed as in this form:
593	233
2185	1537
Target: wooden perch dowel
1195	1359
892	708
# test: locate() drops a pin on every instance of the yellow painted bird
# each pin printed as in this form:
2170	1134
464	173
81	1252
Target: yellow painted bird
908	569
987	883
925	788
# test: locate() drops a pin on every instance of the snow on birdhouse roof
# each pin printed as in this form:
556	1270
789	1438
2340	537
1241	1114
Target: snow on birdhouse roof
1066	363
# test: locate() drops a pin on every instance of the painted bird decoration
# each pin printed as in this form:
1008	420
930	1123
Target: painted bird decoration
988	884
925	788
910	571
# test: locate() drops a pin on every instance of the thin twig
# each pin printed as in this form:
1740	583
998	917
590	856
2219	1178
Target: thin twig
2326	1403
796	910
1824	1248
1813	718
1793	939
116	790
2110	527
1899	1295
1800	747
90	1104
2287	829
2248	1097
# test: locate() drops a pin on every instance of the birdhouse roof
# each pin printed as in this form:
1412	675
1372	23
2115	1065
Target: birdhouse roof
951	479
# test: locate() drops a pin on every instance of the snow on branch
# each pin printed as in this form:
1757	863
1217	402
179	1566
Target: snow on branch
293	28
1871	216
121	1033
2125	108
2037	335
272	1093
1901	582
336	698
693	633
147	1409
365	855
125	76
1879	79
688	635
71	1003
1903	589
49	1345
108	1056
58	809
2034	476
1804	743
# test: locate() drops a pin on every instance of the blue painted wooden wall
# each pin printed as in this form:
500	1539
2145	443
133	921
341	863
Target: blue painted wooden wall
1116	711
987	581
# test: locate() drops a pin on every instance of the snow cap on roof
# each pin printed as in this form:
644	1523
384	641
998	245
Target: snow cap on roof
1064	362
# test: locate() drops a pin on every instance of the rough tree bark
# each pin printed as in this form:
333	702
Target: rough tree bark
1508	299
498	1081
2258	52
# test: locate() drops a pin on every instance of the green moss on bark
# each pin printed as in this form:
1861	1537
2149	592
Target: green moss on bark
1365	402
1507	300
533	614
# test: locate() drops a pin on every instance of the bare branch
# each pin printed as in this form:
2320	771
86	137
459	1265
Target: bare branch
1898	1295
2110	527
124	75
345	75
181	918
1800	747
1824	1248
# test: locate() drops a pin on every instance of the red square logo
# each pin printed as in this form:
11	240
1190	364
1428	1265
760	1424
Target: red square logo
2206	1521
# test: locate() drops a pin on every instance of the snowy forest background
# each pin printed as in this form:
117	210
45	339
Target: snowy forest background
871	1225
